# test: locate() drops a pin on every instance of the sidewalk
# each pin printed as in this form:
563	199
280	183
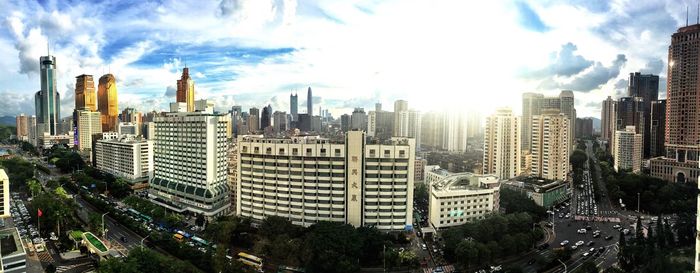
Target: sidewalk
71	255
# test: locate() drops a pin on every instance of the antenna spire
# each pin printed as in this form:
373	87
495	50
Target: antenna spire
686	16
698	18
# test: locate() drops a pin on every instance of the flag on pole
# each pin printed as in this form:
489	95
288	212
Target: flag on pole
39	213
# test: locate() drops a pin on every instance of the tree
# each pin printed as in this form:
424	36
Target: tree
331	247
588	267
466	253
373	242
50	268
200	220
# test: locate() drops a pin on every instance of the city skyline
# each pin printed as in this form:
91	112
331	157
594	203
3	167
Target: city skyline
261	64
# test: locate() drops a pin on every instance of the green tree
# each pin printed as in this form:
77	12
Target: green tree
332	247
588	267
467	253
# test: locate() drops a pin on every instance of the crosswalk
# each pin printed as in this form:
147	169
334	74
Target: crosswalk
65	268
45	257
445	268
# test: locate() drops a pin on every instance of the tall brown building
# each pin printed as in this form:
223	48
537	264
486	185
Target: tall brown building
107	102
682	134
185	89
85	93
22	127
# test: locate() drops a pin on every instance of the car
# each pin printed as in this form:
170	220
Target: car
424	247
590	243
591	250
625	231
435	250
574	247
565	242
549	224
601	249
585	255
582	231
616	226
579	243
596	235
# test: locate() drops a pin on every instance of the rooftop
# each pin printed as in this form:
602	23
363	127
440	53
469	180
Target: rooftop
464	181
10	243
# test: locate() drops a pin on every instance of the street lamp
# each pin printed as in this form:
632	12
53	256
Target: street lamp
144	238
103	224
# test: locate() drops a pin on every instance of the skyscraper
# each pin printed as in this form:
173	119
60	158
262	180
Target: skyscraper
88	123
657	128
358	119
253	120
85	93
682	111
627	154
236	119
345	122
47	100
645	86
531	107
608	119
294	106
309	103
191	179
22	123
566	107
550	145
280	121
185	89
401	118
107	102
266	117
502	144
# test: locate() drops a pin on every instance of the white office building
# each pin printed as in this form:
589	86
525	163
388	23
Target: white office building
310	179
627	154
128	157
550	145
89	123
459	198
190	161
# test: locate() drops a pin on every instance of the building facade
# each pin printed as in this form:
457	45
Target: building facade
14	257
461	198
185	89
311	179
628	150
550	145
89	123
657	128
22	122
107	102
128	157
682	135
47	100
190	163
502	148
608	120
85	93
4	194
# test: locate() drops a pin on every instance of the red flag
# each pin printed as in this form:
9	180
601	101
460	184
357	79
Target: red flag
39	213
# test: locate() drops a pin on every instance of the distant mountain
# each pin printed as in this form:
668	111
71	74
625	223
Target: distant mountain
8	120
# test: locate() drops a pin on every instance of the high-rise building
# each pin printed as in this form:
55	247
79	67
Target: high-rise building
89	123
401	118
266	117
280	121
128	157
309	103
345	122
107	102
32	127
380	124
236	119
185	89
657	128
48	100
628	150
13	256
232	177
253	120
531	107
345	175
566	107
682	133
190	163
294	106
358	119
644	85
85	93
4	194
128	128
22	123
584	127
608	119
550	145
502	144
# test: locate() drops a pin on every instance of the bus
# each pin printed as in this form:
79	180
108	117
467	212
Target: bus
250	260
289	269
200	241
178	237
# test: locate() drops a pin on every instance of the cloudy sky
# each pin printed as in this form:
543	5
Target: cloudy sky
435	54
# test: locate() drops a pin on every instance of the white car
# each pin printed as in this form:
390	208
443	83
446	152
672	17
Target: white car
579	243
565	242
585	255
574	247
